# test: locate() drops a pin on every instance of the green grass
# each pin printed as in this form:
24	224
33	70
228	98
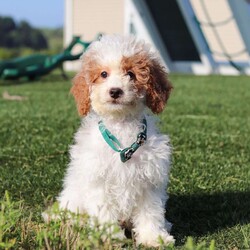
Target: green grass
208	120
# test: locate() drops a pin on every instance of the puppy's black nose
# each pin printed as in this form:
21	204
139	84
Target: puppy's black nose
115	93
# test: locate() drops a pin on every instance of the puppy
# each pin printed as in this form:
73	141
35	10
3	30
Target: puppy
120	163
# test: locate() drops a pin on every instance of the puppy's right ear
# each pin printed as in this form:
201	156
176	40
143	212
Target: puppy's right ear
80	91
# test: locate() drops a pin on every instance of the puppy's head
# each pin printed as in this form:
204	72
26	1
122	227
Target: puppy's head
119	77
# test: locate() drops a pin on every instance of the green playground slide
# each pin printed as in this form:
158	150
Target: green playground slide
37	65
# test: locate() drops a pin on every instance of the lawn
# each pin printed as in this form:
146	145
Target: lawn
208	121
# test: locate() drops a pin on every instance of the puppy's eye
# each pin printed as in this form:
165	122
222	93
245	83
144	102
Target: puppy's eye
104	74
131	75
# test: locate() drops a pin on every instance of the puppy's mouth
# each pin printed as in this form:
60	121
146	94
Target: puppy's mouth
119	102
115	101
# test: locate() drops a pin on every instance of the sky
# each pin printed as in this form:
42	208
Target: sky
39	13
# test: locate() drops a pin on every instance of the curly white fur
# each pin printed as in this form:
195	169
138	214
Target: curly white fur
97	182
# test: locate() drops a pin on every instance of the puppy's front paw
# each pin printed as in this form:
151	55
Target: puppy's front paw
166	239
52	213
155	240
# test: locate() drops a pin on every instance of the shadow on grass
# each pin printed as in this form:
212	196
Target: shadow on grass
198	215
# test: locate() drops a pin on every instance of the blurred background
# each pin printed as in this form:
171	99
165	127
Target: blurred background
193	36
29	26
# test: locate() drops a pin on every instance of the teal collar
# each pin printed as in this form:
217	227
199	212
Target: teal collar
112	141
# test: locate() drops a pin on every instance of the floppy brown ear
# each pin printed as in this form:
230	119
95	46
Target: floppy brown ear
159	87
80	91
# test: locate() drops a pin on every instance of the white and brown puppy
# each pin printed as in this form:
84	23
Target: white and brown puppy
120	163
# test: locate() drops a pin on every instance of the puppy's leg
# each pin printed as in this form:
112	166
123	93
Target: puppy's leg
149	220
90	200
104	215
93	201
68	200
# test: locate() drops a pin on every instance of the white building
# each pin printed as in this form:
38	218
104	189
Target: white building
193	36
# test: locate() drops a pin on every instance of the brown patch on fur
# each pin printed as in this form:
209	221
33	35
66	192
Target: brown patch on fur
80	91
150	76
159	87
82	82
98	72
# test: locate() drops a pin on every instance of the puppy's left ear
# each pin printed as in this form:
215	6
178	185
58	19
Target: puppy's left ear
159	87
